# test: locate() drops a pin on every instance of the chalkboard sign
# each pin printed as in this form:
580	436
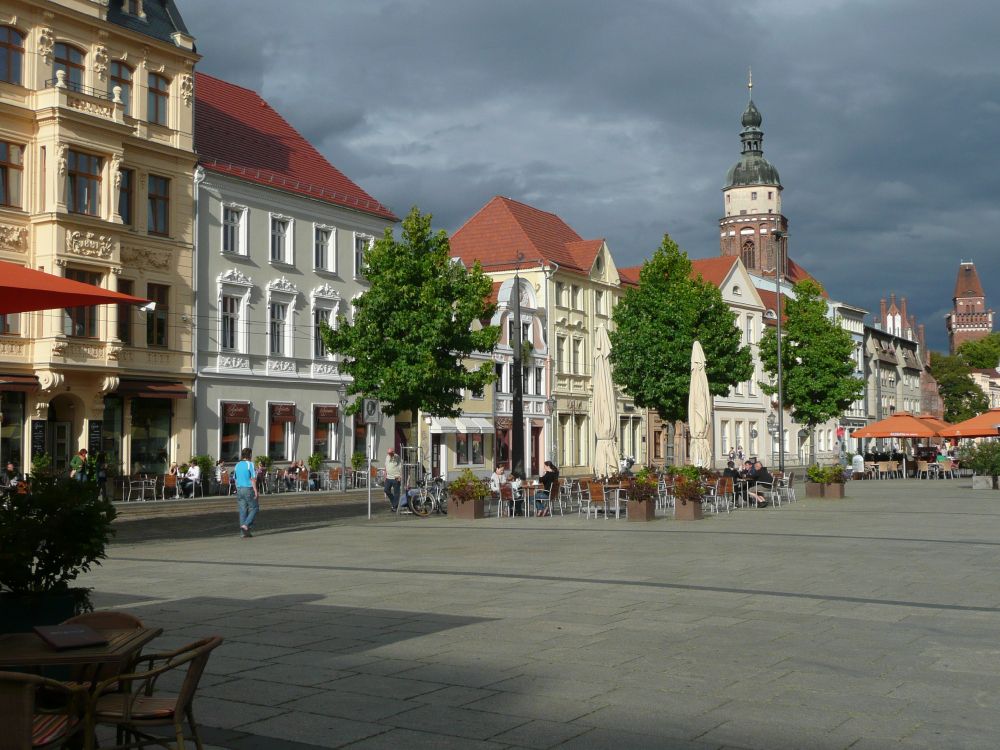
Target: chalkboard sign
94	436
37	438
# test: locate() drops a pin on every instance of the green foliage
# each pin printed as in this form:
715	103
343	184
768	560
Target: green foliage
467	486
413	328
687	472
825	474
315	461
206	463
644	485
688	490
358	460
817	359
41	464
656	326
983	458
984	353
266	461
52	533
962	398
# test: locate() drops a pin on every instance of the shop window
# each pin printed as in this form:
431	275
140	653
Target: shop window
112	432
325	421
150	435
462	448
12	435
233	430
281	419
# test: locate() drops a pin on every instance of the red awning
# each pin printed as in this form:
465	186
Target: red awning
24	289
152	389
20	383
236	412
282	413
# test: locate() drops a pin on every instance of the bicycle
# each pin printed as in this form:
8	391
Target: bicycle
432	497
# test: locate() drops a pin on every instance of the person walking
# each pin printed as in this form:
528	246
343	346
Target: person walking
78	466
393	475
246	492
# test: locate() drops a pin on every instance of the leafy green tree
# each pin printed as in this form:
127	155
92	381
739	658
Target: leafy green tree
817	360
656	326
416	324
962	398
982	353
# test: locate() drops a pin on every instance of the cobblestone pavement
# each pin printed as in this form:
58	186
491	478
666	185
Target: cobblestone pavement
863	623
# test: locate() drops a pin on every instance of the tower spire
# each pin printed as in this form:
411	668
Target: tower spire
750	83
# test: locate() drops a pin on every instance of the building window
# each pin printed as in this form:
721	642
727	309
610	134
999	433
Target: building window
82	321
126	196
539	379
69	60
753	195
125	286
277	328
11	172
770	194
229	308
321	315
577	298
120	74
11	55
159	206
749	329
562	352
133	7
156	101
281	418
232	230
578	356
599	302
361	245
83	183
281	237
469	449
156	320
10	324
324	253
325	422
657	445
560	294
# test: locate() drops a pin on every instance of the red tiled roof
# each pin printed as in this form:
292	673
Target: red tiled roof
794	273
495	292
770	300
712	270
238	133
967	282
630	276
502	228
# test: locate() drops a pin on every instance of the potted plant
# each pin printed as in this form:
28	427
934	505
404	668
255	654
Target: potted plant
688	493
984	460
467	496
358	460
825	482
315	462
642	496
207	466
266	461
49	535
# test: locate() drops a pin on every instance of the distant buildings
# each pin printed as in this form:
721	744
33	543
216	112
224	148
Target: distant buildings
970	319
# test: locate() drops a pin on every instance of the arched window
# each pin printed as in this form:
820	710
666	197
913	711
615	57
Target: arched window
70	60
749	256
11	55
120	74
159	95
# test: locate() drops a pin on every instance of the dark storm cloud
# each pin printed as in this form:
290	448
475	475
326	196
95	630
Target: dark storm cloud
624	117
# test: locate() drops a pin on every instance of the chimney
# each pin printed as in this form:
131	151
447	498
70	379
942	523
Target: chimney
882	323
923	349
902	302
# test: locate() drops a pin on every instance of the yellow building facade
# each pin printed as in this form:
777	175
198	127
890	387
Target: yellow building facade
97	111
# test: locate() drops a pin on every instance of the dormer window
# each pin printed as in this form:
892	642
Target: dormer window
133	8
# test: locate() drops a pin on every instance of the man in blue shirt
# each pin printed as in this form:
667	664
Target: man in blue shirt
246	492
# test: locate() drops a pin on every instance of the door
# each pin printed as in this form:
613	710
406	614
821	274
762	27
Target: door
62	446
536	450
435	455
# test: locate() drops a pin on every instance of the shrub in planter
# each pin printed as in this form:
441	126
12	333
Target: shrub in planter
687	498
358	460
266	461
642	496
48	537
315	461
207	465
467	496
982	458
825	481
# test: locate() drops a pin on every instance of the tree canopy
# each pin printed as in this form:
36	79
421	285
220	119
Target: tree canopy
817	359
414	327
962	398
656	325
983	353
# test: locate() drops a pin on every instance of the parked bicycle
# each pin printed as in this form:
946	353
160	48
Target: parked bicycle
433	497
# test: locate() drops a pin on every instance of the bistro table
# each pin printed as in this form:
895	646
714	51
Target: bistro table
29	650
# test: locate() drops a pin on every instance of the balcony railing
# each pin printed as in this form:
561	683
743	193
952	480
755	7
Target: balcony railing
78	88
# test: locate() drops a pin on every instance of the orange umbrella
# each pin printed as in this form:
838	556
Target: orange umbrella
24	289
899	425
986	424
935	422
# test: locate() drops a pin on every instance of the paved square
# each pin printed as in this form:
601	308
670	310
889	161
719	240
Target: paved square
870	622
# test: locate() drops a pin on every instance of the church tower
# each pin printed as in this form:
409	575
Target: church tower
969	320
752	202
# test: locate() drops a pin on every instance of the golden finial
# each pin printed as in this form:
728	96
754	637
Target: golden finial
750	81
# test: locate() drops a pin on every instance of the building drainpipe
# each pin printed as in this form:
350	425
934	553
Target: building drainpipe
199	177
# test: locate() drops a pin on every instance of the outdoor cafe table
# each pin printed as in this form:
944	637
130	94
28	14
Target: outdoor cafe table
23	650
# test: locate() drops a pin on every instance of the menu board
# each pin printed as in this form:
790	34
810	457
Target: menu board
94	435
37	438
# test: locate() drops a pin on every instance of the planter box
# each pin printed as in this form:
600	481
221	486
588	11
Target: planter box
467	510
689	512
832	491
983	482
814	489
641	510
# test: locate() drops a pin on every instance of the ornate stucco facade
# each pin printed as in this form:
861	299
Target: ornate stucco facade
98	113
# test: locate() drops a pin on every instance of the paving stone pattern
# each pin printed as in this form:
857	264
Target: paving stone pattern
864	623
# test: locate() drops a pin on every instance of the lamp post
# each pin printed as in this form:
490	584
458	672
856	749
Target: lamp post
778	266
517	386
340	440
551	403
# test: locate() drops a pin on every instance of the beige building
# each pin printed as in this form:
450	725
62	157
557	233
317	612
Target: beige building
97	166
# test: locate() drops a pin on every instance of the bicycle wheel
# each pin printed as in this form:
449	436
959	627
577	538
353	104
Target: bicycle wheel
443	503
420	505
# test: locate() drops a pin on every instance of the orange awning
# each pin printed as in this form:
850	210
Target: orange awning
901	425
24	289
986	424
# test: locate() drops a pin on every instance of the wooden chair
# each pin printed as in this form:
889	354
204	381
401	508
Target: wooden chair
333	478
106	619
302	480
594	499
224	487
170	483
923	469
947	468
138	707
26	724
506	505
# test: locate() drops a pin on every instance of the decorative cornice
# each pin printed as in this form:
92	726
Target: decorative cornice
89	244
280	365
14	238
325	292
282	286
236	277
143	257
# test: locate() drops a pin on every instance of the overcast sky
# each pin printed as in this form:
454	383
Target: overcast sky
623	117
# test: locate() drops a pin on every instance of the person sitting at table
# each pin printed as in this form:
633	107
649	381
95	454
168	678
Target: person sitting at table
174	470
516	481
190	479
733	473
760	475
747	469
261	477
11	477
542	496
498	478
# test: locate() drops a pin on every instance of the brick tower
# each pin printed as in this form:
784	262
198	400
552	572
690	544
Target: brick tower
752	201
970	319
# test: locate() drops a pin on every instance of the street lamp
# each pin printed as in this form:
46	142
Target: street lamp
551	403
340	441
778	266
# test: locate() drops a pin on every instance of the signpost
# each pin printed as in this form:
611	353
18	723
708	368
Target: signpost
370	410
